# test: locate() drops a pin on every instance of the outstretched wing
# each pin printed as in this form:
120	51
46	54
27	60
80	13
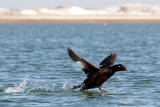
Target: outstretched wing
86	66
109	61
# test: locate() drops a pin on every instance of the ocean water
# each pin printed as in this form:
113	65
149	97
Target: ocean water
36	71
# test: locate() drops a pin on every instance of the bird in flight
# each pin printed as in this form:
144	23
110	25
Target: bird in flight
96	76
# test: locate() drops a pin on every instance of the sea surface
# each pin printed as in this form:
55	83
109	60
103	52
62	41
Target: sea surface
36	71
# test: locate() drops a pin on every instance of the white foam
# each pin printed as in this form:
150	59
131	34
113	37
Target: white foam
17	88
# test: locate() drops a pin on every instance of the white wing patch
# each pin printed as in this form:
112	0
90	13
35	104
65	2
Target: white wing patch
80	64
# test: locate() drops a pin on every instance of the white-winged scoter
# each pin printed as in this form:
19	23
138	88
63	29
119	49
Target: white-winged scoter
96	76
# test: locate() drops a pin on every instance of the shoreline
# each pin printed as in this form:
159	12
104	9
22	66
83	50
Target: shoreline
76	21
80	19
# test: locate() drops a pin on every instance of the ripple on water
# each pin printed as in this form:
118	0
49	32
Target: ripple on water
41	50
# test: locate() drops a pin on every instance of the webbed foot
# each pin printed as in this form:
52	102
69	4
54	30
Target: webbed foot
74	87
106	91
79	86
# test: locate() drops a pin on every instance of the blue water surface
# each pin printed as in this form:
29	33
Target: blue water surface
36	71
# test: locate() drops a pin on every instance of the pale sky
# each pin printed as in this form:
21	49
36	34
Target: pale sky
81	3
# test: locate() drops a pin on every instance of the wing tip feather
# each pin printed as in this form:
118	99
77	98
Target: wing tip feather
68	49
109	60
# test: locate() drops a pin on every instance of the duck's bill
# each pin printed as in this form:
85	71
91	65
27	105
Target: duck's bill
126	69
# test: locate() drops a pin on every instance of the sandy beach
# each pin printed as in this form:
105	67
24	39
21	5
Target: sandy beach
77	19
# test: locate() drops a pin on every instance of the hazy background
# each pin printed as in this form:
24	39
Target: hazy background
82	3
36	71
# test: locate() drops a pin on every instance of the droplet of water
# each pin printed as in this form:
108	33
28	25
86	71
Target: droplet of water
67	84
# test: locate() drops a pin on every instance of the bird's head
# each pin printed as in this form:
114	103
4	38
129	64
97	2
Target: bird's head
119	67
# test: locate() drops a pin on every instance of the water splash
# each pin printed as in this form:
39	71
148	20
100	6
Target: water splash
41	88
18	88
67	84
28	85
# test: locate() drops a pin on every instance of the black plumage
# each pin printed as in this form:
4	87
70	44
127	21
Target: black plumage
96	76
